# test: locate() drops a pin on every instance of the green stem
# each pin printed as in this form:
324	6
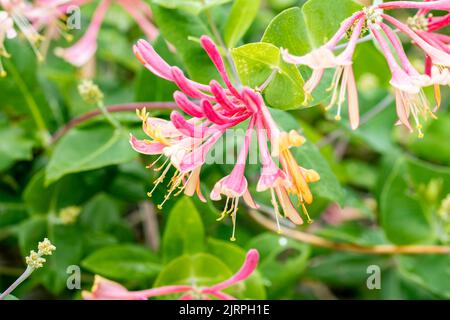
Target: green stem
113	121
28	271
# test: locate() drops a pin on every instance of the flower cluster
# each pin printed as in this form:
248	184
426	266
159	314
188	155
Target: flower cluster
35	260
185	143
41	21
82	51
407	81
104	289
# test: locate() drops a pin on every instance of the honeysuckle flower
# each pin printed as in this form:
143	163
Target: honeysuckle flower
343	83
185	143
17	11
407	82
104	289
82	51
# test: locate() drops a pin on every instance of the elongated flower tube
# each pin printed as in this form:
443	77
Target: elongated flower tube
82	51
184	143
104	289
13	20
343	84
407	82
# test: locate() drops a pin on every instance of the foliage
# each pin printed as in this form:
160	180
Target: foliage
390	184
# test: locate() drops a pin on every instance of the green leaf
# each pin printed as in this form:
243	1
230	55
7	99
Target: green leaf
30	233
184	232
69	250
100	213
177	27
282	261
436	136
123	262
191	6
15	146
402	216
431	272
22	92
11	297
288	30
42	199
342	269
200	270
84	149
256	62
12	210
233	256
323	18
241	17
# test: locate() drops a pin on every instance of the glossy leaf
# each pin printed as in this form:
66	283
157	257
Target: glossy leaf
255	64
124	262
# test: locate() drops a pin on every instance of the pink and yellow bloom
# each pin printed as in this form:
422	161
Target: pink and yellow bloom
104	289
185	143
407	82
82	51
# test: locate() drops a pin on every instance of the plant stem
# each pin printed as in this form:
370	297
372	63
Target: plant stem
108	116
325	243
28	271
111	109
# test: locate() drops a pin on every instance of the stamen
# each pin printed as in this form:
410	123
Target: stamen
154	162
225	211
233	219
277	210
159	180
305	212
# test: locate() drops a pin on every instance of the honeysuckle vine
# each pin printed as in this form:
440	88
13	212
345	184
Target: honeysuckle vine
104	289
407	81
184	144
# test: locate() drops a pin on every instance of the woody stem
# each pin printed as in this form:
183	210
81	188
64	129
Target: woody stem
111	109
317	241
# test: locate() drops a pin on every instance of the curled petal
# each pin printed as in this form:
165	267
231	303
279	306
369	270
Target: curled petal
146	147
248	199
352	97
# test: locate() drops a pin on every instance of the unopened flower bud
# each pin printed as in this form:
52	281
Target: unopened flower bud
46	248
90	92
69	215
34	260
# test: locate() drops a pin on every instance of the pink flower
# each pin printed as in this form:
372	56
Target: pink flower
81	52
104	289
15	12
406	80
343	84
218	109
